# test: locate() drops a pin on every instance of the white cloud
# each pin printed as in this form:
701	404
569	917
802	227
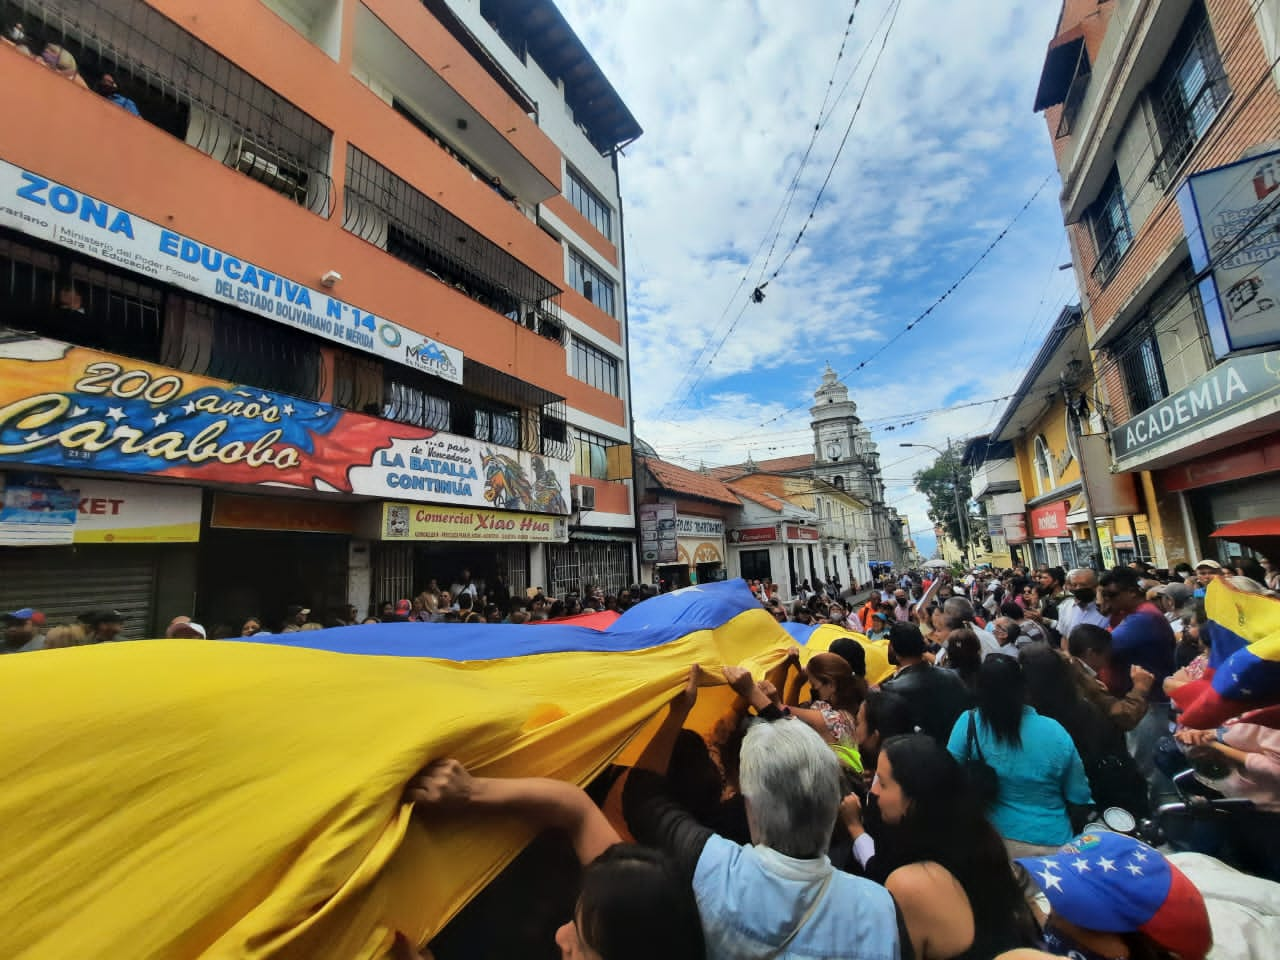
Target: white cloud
944	152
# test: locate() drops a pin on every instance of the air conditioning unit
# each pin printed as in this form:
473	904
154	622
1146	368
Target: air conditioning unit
584	497
266	166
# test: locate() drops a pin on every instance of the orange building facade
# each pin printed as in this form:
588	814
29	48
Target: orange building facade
333	288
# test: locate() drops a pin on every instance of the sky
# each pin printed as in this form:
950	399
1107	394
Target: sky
942	154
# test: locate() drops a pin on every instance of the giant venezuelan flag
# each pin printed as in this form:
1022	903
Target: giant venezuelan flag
1244	634
173	799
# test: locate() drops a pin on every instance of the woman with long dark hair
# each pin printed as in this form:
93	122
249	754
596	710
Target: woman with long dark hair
939	856
1114	778
964	656
1037	767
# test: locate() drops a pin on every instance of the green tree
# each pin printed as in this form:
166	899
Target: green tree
939	484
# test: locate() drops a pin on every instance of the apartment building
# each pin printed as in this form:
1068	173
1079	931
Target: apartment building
1165	121
317	302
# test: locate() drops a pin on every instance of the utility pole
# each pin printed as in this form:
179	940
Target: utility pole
962	516
1073	418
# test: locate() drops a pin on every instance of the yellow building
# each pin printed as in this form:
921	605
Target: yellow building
1063	462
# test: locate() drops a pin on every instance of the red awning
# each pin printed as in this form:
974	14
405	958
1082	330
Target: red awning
1249	529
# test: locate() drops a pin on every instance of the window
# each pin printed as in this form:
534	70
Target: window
590	458
588	203
1167	347
1108	219
590	282
1044	465
595	367
1188	91
755	564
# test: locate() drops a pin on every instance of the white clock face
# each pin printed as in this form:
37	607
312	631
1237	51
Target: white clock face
834	449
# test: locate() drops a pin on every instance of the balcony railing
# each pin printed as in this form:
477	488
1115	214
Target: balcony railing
188	89
380	207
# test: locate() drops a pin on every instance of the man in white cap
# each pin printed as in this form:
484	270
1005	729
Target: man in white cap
1206	570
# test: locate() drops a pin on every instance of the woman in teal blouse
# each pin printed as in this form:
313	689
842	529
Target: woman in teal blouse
1039	769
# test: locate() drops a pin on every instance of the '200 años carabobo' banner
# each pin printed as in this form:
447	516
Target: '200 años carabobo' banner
64	406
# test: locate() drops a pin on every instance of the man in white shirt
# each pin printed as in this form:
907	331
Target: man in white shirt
1080	607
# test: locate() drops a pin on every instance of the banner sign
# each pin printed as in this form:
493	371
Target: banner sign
1050	521
44	208
35	510
231	511
1015	527
1231	216
69	407
658	533
114	512
804	534
407	521
1232	384
754	535
699	527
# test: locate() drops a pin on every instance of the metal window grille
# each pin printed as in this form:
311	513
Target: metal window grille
580	566
590	282
380	207
426	401
60	295
1112	235
1188	91
515	561
223	343
593	366
589	203
392	578
190	90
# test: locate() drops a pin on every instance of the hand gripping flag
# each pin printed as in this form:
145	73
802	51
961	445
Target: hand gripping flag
1244	634
188	798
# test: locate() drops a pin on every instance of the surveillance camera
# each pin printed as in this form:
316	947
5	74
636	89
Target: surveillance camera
330	278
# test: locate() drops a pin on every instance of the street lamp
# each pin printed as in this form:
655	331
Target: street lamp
961	517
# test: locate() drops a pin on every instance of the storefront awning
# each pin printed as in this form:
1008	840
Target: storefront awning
601	536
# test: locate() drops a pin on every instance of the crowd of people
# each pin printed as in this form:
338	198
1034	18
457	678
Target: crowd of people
464	600
63	62
958	808
951	810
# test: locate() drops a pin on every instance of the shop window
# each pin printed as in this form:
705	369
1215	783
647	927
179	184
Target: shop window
1189	90
1108	219
593	366
755	564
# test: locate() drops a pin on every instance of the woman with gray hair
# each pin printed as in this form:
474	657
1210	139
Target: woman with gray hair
778	896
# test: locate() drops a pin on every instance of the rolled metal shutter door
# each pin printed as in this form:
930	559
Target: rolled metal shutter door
63	585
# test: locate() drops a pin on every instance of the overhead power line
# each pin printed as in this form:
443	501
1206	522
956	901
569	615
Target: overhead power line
698	367
784	206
